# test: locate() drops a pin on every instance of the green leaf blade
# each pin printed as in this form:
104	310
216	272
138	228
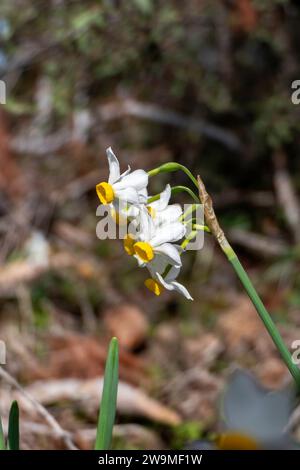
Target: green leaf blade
109	398
13	427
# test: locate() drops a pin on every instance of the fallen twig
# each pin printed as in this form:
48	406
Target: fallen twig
131	400
54	425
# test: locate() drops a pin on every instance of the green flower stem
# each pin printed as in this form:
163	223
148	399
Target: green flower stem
176	190
190	210
173	166
264	314
179	189
218	233
188	239
201	227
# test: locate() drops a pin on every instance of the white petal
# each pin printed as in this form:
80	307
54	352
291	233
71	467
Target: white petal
133	210
138	179
174	286
128	194
169	215
163	201
167	285
172	274
170	252
182	290
147	229
126	172
143	195
158	264
168	233
114	166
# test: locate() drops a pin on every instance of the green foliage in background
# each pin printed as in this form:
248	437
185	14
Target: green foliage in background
210	60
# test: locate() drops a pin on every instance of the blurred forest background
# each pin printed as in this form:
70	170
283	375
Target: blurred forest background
204	83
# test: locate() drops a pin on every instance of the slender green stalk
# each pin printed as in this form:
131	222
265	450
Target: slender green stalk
264	315
216	230
176	190
189	211
204	228
109	398
179	189
188	239
173	166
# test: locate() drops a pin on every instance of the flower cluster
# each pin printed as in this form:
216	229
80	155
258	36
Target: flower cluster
153	225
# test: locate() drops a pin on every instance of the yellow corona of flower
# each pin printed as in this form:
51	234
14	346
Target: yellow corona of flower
154	286
105	192
144	251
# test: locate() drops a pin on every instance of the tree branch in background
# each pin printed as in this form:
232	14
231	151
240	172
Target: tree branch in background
153	112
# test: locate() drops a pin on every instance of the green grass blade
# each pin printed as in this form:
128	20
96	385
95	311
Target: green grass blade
2	438
109	398
13	427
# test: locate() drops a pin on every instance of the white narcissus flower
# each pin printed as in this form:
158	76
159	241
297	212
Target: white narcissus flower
151	240
163	275
128	187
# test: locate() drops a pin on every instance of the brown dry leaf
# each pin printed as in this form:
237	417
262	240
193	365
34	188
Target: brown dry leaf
136	436
242	329
273	372
203	350
128	323
131	400
83	356
198	390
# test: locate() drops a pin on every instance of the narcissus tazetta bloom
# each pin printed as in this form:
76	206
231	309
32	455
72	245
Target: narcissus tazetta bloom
130	187
163	276
153	240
